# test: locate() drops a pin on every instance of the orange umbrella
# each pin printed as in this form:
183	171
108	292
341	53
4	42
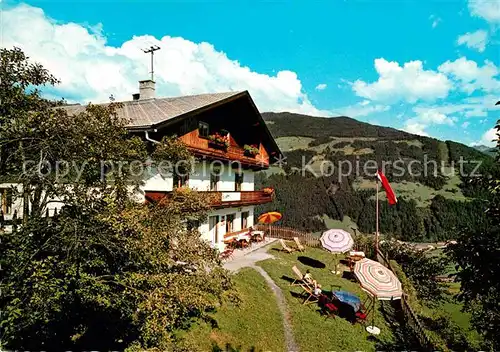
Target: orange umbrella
269	218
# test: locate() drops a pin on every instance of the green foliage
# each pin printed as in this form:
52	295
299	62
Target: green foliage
106	272
305	199
421	269
476	255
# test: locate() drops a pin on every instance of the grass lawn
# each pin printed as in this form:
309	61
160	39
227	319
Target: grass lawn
254	324
312	332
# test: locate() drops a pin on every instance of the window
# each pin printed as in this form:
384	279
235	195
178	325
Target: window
214	179
213	223
203	130
230	222
6	200
238	181
244	219
180	179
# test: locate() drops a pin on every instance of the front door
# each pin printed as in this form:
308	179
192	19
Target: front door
213	225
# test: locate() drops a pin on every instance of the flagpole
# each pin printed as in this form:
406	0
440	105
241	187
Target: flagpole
376	223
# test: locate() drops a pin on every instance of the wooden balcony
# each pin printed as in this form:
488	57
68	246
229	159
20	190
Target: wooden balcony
232	153
224	199
202	147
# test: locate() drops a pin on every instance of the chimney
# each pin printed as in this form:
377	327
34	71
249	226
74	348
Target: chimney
146	90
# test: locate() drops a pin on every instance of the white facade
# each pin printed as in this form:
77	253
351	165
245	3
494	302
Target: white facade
216	226
200	179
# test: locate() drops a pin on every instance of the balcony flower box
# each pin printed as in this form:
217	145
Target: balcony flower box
251	150
219	140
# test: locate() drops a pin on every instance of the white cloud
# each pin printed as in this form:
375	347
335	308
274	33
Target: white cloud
321	86
489	10
468	109
474	40
361	109
425	118
435	20
91	70
465	124
409	82
470	76
415	128
433	116
489	138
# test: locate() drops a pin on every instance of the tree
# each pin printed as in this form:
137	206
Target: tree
476	255
106	272
421	269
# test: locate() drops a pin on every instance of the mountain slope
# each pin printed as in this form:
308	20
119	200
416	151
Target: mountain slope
436	197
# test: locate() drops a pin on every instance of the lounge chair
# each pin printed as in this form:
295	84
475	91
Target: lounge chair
285	247
300	247
299	278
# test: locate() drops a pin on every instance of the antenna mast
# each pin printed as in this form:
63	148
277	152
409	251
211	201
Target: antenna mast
152	50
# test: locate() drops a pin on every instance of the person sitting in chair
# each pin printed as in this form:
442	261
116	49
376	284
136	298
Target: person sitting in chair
308	278
317	289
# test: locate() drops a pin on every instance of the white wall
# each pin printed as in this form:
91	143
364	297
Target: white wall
17	202
157	182
200	179
204	228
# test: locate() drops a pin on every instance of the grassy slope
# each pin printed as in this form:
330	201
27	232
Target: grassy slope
420	193
255	323
295	131
312	332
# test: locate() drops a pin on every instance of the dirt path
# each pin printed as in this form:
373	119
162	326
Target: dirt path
250	260
291	345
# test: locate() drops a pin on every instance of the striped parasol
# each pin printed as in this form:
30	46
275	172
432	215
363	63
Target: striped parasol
337	241
377	280
269	218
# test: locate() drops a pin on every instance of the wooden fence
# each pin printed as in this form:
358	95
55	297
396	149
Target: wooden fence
311	240
307	239
287	233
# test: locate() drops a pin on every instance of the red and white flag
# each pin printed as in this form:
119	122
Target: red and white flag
391	196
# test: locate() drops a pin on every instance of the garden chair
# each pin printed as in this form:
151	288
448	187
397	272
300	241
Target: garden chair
285	247
310	296
360	317
300	247
298	277
328	307
227	254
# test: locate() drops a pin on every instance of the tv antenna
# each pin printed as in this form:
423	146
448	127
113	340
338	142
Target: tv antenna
151	51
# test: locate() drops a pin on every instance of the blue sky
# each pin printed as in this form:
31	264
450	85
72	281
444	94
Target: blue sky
429	67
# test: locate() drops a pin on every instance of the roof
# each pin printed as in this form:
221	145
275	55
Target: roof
147	113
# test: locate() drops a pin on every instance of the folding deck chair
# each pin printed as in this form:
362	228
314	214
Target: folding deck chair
300	247
285	247
299	278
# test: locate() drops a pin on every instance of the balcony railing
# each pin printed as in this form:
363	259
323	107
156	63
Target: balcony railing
231	153
227	199
205	148
223	199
